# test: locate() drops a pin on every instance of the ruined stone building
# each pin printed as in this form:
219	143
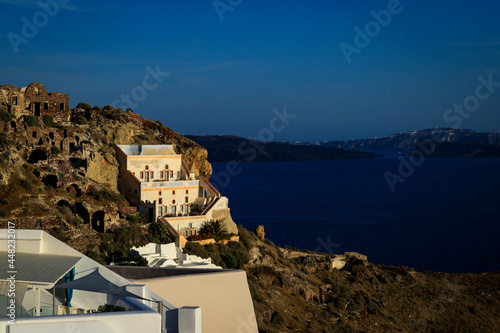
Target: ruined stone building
57	150
34	100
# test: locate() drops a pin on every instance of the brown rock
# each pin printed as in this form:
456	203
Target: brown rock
259	232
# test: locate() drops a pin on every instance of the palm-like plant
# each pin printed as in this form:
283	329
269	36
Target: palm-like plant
214	227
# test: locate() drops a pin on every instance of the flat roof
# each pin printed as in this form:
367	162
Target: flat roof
147	150
139	273
36	268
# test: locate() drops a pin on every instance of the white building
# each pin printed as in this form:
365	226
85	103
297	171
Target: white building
32	300
170	256
157	180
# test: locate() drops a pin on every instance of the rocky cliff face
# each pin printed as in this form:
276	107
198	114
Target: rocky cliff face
62	176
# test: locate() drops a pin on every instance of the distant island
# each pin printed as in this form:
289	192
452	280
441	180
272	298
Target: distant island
407	141
463	150
227	148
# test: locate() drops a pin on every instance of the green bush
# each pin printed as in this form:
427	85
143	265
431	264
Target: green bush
31	121
136	218
215	255
49	121
107	247
110	308
5	116
55	151
158	233
230	261
197	250
240	253
79	120
108	108
83	105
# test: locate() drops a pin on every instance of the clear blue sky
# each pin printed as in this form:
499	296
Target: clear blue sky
225	77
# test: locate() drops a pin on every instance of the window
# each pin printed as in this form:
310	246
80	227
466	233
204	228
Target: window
186	199
161	174
173	202
166	166
159	193
173	192
160	211
187	191
171	174
182	209
160	201
146	167
61	106
142	174
45	106
152	174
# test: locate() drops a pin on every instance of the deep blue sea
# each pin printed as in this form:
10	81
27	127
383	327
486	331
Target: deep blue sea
445	216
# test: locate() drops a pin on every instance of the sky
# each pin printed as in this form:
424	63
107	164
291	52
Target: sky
274	70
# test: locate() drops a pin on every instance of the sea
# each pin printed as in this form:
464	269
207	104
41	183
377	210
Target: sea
443	215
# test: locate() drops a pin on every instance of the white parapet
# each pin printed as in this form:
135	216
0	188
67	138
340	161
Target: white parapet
190	319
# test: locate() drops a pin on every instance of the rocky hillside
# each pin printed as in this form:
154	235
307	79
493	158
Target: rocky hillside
407	141
302	291
236	149
62	176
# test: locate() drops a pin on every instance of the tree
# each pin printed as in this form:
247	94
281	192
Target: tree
83	105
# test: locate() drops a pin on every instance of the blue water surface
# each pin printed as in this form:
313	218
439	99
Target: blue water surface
444	217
